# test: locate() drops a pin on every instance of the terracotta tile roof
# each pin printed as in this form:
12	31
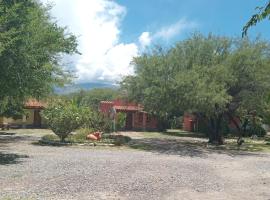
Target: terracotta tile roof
107	102
128	108
33	103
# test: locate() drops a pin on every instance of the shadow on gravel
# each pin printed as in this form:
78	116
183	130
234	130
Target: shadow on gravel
11	158
183	148
6	133
10	138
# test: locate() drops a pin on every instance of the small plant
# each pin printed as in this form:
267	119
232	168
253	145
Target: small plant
63	117
254	127
80	135
98	122
120	121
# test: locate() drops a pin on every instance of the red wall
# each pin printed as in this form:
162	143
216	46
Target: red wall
150	122
188	122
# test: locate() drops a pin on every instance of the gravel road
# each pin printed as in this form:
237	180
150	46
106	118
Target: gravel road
30	171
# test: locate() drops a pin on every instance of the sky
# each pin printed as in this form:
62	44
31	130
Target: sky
112	32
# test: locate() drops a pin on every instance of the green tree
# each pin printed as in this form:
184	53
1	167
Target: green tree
216	77
63	117
263	13
93	97
31	45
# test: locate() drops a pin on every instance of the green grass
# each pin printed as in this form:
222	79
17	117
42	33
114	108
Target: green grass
250	145
80	137
171	132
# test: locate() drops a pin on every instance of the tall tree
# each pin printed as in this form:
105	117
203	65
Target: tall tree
93	97
217	77
31	45
263	13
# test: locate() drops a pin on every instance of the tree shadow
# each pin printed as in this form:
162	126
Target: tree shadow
184	148
184	134
10	138
6	133
11	158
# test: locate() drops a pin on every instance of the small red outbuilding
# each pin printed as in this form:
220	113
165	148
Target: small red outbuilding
136	118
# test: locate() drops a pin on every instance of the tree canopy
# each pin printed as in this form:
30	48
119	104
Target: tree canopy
93	97
31	45
263	13
214	76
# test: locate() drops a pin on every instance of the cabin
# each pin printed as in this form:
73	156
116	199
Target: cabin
136	118
31	118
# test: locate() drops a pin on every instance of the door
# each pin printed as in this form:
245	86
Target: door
37	119
129	120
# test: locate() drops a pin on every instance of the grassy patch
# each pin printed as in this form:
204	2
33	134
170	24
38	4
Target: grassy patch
150	140
252	145
171	132
80	138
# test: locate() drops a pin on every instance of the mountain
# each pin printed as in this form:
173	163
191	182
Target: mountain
83	86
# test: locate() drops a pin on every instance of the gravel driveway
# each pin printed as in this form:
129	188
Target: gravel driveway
30	171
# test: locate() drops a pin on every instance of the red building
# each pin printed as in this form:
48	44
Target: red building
136	118
192	123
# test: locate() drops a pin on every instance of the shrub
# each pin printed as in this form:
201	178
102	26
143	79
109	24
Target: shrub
254	127
80	135
256	130
98	122
120	121
63	117
176	122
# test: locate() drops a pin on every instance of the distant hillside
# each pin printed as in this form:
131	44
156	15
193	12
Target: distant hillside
84	86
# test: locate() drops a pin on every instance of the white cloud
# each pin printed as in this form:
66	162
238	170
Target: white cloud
166	32
172	30
97	25
145	39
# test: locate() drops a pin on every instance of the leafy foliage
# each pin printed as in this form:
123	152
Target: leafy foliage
63	117
98	122
263	13
254	126
31	45
215	77
120	121
93	97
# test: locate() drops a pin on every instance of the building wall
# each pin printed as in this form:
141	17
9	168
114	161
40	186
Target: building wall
145	121
140	119
189	122
26	120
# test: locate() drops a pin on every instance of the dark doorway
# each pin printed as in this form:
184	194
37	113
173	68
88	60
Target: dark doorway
129	120
37	119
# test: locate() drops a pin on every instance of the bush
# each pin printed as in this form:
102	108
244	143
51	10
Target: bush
256	130
120	121
63	117
254	126
176	122
80	135
98	122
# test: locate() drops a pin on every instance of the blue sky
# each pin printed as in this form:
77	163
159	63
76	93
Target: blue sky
112	32
222	17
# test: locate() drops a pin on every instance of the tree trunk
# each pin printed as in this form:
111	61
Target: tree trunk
215	135
240	133
62	138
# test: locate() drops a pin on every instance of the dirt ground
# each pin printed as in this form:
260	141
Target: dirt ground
148	168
